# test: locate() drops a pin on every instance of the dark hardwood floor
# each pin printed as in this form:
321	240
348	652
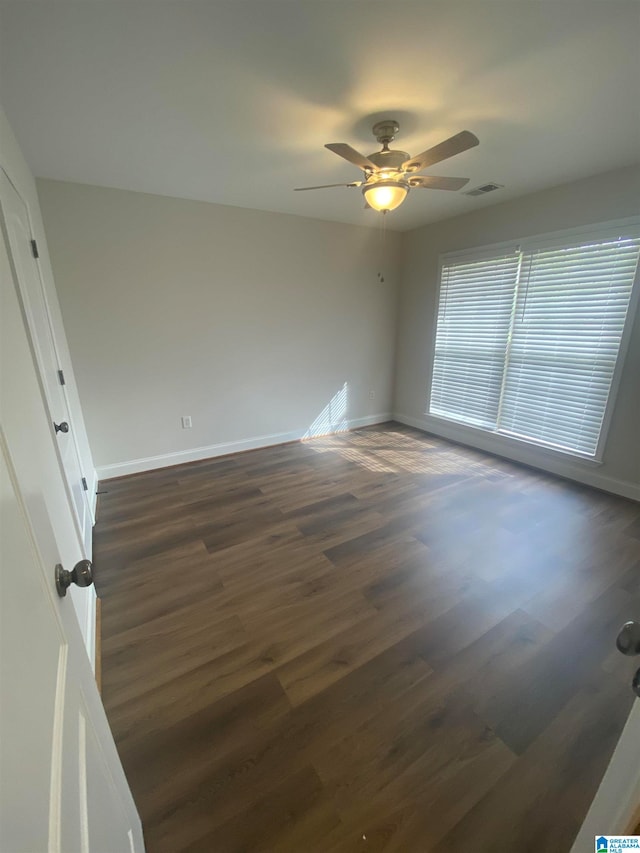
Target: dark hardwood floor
376	641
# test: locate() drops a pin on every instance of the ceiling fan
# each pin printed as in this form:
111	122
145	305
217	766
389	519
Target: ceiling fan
390	174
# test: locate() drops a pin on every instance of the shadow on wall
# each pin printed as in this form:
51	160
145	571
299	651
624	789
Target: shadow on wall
333	418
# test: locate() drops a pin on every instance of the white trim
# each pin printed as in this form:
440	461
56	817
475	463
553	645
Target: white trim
55	797
617	798
92	481
90	627
513	438
540	240
625	341
36	345
149	463
83	782
583	471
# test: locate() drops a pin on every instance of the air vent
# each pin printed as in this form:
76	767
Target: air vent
485	188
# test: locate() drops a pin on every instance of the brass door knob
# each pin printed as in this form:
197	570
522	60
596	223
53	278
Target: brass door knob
81	574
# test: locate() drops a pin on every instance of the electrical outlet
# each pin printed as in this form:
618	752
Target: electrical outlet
186	422
372	394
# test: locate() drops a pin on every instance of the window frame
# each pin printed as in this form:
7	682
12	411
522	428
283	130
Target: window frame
551	239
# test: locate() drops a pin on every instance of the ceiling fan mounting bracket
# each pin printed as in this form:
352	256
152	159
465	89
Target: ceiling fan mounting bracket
385	131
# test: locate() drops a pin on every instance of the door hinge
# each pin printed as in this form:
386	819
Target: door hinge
61	377
34	249
84	484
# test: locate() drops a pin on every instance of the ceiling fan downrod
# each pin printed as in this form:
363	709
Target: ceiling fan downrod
385	132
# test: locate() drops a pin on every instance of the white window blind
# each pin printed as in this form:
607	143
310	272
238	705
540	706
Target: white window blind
527	342
476	304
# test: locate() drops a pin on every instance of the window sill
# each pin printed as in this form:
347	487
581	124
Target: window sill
508	445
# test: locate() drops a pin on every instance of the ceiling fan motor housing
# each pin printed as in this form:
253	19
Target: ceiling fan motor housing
389	159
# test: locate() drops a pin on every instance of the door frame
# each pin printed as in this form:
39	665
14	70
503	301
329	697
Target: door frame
615	809
18	174
36	497
37	353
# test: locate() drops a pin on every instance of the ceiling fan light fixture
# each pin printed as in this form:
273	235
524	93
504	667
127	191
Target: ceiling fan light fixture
385	195
388	174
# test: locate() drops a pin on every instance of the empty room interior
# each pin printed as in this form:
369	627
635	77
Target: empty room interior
320	426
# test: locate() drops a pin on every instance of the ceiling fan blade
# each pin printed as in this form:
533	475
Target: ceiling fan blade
353	156
327	186
450	147
431	182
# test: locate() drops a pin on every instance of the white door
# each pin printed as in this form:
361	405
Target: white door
62	787
18	230
616	807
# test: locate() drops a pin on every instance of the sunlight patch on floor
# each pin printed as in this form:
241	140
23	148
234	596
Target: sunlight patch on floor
396	453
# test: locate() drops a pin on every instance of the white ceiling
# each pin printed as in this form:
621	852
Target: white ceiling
231	102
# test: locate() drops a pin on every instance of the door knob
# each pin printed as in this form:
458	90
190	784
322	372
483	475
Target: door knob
628	640
81	574
63	426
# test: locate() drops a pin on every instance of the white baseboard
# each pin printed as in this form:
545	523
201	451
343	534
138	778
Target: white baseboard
149	463
573	469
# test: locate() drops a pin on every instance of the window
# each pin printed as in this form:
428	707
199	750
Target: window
527	338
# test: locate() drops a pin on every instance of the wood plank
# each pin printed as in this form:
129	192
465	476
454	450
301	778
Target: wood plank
373	641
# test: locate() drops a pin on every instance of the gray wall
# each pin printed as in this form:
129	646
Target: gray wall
249	322
253	322
613	195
